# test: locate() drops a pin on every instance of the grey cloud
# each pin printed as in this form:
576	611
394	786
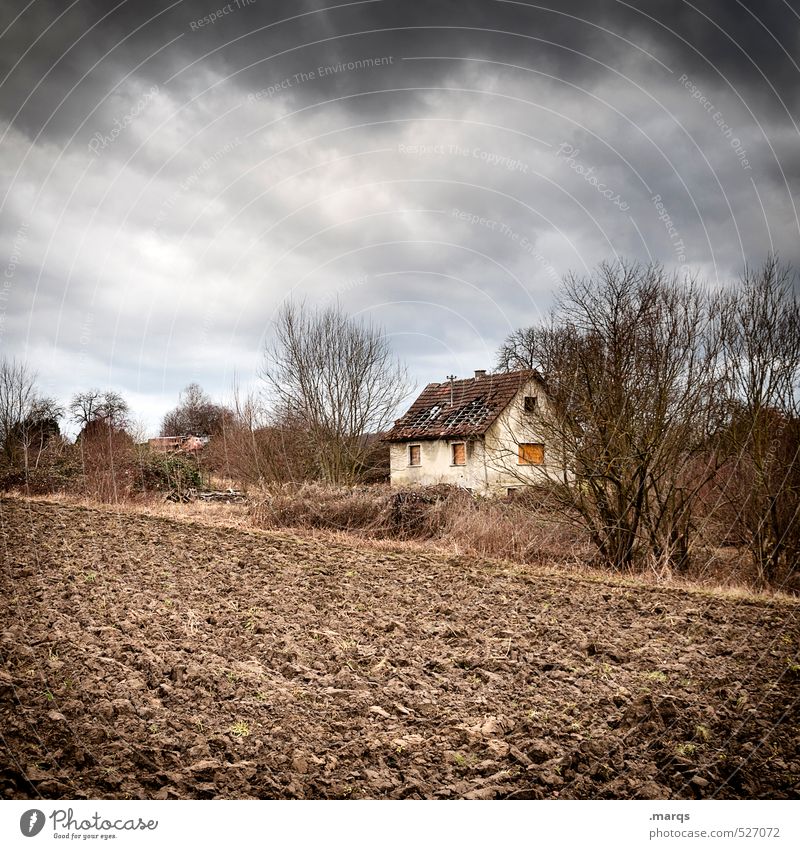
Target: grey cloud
161	256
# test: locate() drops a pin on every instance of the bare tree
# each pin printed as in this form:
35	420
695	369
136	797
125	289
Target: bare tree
17	395
95	405
195	414
761	332
518	351
629	358
338	376
27	420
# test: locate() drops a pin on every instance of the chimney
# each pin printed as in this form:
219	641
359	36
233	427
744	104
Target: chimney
479	373
451	378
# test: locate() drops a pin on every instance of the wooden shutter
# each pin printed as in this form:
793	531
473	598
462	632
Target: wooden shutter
531	453
414	455
459	454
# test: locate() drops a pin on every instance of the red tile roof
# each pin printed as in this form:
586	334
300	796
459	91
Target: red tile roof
477	402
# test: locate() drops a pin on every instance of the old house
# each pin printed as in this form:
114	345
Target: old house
188	444
479	433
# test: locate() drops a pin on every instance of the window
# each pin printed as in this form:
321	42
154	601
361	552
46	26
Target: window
459	455
530	403
414	455
531	454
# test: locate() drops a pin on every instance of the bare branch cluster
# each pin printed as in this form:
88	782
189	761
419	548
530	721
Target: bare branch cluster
27	418
659	389
99	406
196	414
337	375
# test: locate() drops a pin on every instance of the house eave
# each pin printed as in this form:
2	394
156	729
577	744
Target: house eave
433	437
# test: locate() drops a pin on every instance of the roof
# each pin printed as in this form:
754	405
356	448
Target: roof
477	402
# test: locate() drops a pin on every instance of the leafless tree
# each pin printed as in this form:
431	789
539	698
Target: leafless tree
96	405
17	396
257	447
518	350
761	332
195	414
36	430
337	375
630	360
27	420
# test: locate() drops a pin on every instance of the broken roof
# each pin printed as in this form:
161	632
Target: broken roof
477	402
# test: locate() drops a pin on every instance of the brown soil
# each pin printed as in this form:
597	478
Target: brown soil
148	658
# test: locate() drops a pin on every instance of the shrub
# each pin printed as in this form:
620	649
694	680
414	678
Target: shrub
165	472
108	462
514	528
315	505
57	469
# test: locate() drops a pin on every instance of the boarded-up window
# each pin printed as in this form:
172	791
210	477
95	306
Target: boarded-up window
414	457
459	454
531	454
530	403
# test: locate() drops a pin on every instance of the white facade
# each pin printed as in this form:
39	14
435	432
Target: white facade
493	463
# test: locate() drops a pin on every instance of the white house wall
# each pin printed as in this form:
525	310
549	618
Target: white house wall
436	465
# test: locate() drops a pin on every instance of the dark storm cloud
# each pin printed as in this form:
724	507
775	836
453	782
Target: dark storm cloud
434	165
746	46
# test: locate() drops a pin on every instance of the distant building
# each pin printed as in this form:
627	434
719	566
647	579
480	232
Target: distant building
178	444
479	433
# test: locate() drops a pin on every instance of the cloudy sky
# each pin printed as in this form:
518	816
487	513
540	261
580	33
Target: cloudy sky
172	171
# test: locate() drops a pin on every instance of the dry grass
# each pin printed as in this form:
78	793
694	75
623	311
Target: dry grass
501	534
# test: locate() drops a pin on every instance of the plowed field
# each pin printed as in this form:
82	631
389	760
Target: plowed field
148	658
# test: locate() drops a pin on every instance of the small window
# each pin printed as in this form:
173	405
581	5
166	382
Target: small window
414	456
531	454
459	450
530	403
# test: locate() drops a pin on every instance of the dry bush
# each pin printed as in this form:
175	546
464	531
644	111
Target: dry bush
313	505
57	469
513	531
108	460
449	517
425	513
372	511
256	456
